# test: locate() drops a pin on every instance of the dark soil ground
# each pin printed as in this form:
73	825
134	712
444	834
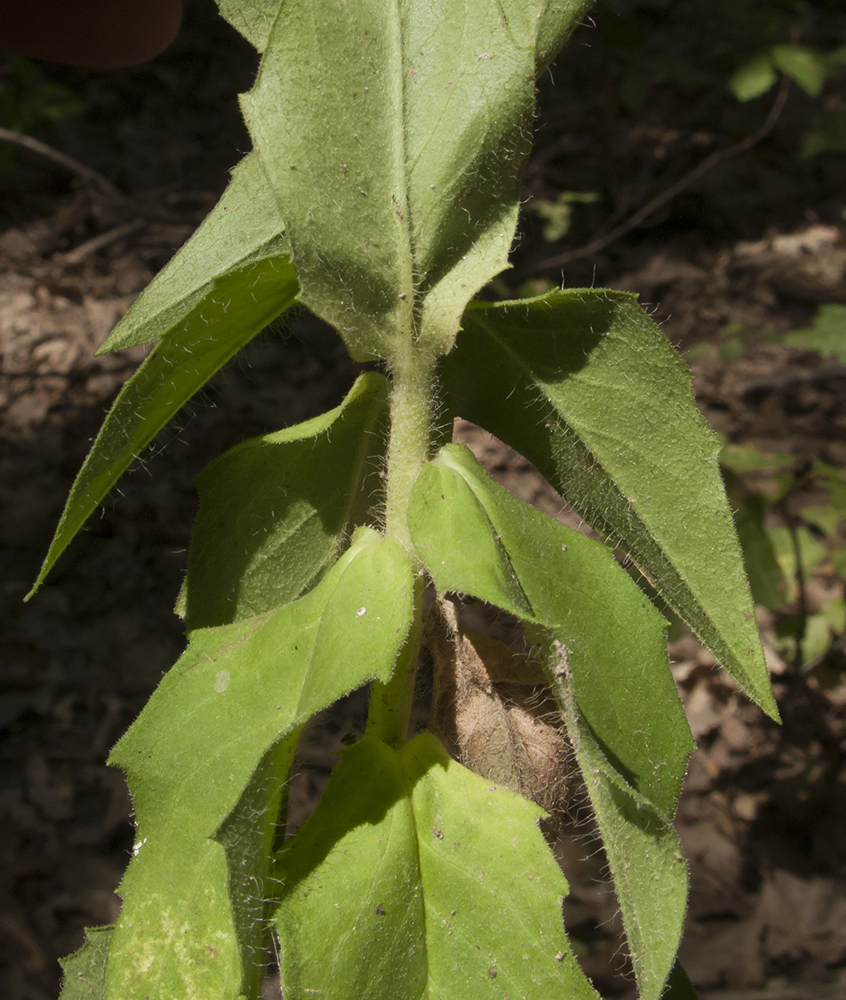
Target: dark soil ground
758	241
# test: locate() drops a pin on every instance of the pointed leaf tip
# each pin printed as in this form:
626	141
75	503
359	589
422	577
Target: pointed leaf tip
586	386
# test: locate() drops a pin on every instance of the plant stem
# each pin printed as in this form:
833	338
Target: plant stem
408	449
390	704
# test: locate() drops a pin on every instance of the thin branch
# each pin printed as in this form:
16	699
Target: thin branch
601	242
68	162
97	243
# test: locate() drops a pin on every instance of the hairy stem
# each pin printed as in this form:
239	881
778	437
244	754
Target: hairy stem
408	449
410	441
390	704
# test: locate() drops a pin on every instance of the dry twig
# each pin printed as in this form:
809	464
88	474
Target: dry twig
88	175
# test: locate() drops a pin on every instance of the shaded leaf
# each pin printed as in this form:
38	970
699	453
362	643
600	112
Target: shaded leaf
236	692
679	987
445	878
584	385
85	970
766	579
398	178
274	511
827	134
248	837
178	366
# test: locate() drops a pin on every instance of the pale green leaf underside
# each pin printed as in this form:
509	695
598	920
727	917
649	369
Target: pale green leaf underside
178	366
611	644
415	878
85	970
584	384
235	692
614	637
243	228
393	134
274	511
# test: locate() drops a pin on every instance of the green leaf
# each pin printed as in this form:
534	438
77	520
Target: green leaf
274	511
805	66
243	228
237	691
787	543
753	78
679	987
445	879
744	459
558	214
584	385
827	334
253	18
610	673
821	629
394	135
643	850
248	837
766	578
177	367
85	970
826	135
572	584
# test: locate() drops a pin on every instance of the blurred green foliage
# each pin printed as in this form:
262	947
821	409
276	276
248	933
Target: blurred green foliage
826	335
32	103
731	48
29	98
790	516
790	512
558	214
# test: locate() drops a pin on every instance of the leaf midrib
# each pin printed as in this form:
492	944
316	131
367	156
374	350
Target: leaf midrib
398	68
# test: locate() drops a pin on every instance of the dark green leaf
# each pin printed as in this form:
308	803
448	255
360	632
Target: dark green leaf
584	384
643	850
248	837
275	511
241	304
85	970
679	987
